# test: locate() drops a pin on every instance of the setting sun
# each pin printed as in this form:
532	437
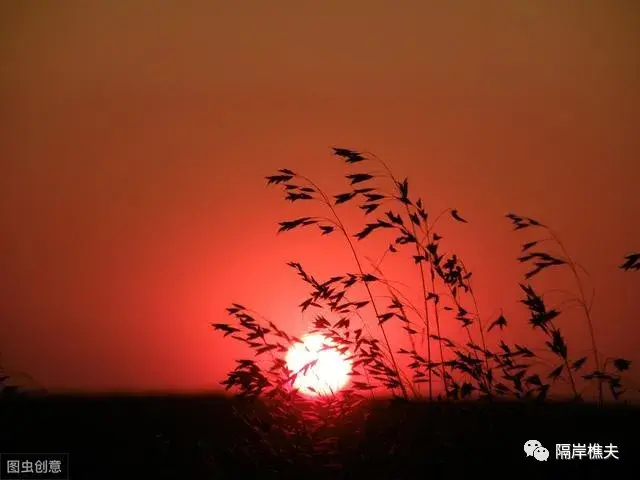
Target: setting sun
330	372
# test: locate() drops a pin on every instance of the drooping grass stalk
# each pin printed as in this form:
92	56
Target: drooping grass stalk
366	285
585	308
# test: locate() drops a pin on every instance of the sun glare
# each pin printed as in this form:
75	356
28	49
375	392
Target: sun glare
330	372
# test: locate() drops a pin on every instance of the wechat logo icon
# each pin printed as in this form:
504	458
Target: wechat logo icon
533	448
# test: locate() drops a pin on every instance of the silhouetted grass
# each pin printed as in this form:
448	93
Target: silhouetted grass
458	408
356	308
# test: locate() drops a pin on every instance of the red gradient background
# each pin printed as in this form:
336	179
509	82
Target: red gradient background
136	136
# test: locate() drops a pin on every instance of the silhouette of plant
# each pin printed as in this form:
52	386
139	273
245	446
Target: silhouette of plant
632	262
350	303
543	318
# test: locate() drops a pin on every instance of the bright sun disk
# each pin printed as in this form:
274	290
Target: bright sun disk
328	375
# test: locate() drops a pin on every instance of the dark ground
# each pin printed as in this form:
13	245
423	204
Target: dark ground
183	438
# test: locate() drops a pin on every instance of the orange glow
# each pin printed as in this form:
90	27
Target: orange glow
330	372
137	135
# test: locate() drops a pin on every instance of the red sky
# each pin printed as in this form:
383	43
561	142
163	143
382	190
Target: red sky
137	135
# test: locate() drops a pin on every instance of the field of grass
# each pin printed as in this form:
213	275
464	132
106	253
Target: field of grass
199	437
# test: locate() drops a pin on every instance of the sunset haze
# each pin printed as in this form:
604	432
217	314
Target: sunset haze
136	136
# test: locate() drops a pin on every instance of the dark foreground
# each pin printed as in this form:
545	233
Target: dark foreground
198	437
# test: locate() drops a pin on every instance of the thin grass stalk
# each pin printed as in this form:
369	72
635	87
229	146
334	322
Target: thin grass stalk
457	303
480	325
567	366
424	295
368	289
470	337
436	310
587	311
